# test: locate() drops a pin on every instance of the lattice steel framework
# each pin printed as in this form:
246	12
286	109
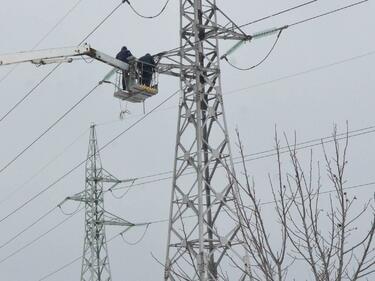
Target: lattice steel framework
203	229
95	261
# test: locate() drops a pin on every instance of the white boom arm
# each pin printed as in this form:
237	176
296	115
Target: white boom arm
61	55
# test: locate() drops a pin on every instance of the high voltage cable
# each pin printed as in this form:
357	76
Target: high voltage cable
61	268
82	162
27	228
71	262
334	11
49	128
241	89
29	92
45	36
314	69
289	25
296	74
167	219
258	20
59	64
102	22
277	14
147	17
42	169
272	152
38	238
230	92
259	63
328	13
308	19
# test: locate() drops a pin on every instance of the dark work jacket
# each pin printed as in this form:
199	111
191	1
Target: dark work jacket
124	55
147	66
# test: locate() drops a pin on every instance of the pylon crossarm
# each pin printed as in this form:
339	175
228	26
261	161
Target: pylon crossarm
80	197
111	219
117	222
227	34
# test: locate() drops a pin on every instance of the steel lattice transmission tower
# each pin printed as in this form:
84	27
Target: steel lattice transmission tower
95	261
203	228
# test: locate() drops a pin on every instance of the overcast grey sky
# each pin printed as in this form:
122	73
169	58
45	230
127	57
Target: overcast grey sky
309	104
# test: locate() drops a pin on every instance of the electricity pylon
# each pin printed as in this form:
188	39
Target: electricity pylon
203	226
95	260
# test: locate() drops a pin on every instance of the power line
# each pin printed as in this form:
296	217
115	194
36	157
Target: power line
278	13
296	74
166	3
42	169
71	262
59	64
314	69
328	13
159	221
269	153
353	58
27	228
258	20
60	268
102	22
259	63
284	11
147	17
29	92
139	120
134	124
300	73
45	36
37	238
287	26
49	128
231	92
27	202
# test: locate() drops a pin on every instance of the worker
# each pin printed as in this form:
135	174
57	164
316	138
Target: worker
146	67
125	55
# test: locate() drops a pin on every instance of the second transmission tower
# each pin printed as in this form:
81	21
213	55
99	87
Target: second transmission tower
95	260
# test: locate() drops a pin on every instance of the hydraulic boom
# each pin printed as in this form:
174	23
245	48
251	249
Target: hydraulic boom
58	55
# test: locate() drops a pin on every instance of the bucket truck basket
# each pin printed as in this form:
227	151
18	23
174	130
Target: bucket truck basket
136	85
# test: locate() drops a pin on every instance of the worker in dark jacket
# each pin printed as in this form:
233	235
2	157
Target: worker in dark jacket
146	66
124	55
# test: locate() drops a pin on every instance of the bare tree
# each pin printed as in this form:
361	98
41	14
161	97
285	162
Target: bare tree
314	230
